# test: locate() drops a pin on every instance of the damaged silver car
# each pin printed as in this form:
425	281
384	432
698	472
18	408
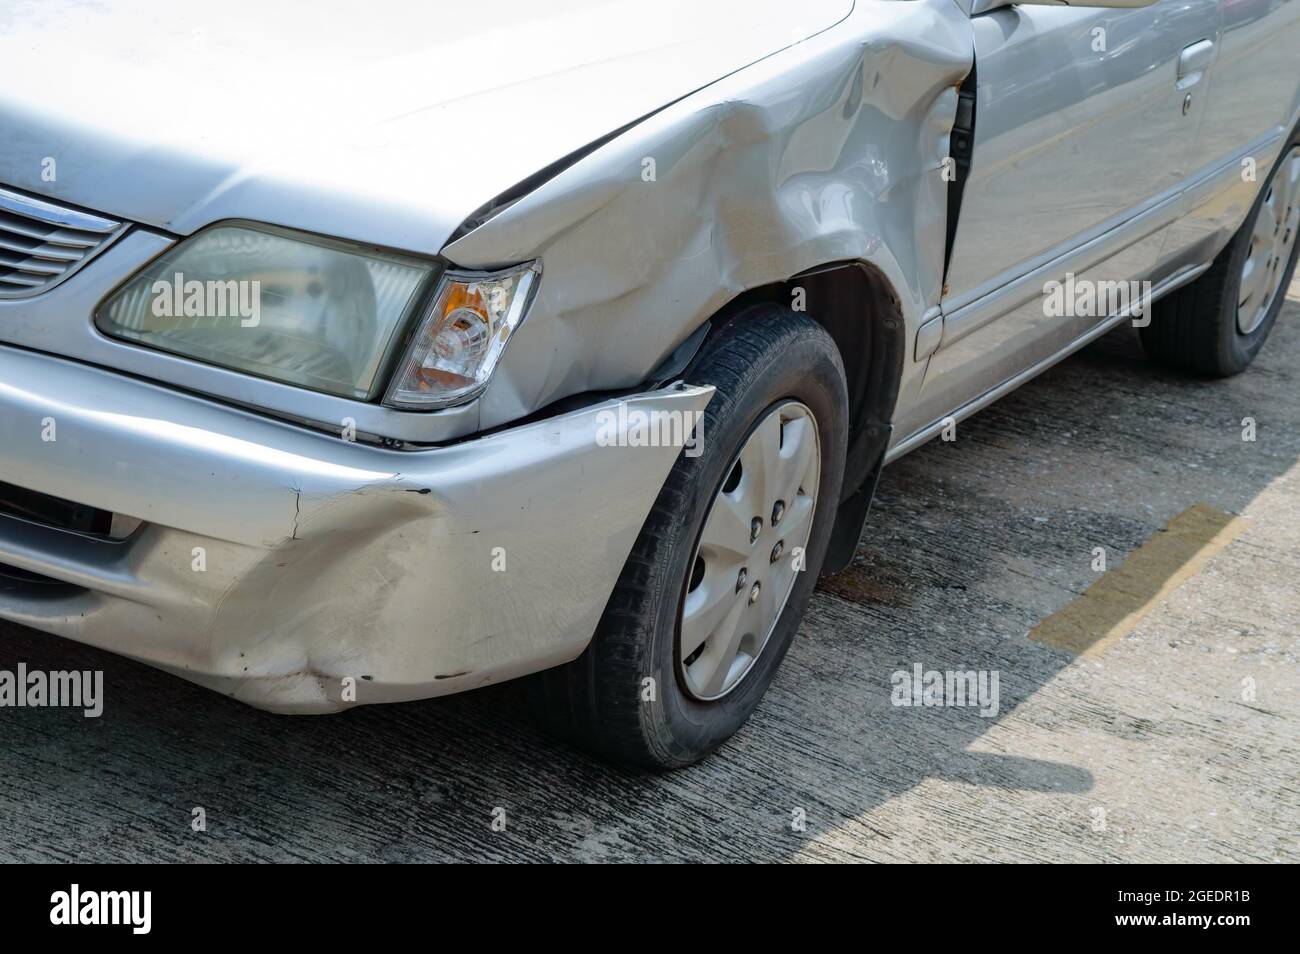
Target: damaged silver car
369	356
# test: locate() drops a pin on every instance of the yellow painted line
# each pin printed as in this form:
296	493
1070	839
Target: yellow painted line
1108	610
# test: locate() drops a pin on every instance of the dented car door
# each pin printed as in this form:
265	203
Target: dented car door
1083	132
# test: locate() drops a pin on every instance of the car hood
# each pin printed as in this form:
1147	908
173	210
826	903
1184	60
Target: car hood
386	122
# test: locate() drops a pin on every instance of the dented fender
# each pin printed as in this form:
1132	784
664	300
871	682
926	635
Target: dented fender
830	150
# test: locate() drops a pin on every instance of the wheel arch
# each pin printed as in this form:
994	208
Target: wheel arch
858	307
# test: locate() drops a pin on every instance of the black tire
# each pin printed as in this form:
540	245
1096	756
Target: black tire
1194	328
766	355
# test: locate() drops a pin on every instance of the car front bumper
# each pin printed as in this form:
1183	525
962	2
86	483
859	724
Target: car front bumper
284	566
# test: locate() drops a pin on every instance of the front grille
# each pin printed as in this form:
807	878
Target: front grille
26	583
54	511
41	243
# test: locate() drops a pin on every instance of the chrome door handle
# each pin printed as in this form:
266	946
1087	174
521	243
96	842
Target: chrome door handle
1192	63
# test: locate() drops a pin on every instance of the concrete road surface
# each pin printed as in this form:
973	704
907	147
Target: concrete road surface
1145	712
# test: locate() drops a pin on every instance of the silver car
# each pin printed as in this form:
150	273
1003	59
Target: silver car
366	355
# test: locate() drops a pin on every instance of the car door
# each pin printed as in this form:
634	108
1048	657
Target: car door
1081	140
1257	73
1250	109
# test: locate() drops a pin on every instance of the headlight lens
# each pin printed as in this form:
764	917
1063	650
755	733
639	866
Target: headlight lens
461	339
282	305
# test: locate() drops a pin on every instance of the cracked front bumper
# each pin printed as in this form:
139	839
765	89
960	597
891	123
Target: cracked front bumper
281	566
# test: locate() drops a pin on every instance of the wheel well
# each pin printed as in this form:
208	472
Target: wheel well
855	303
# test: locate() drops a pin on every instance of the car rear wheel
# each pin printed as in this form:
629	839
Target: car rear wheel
717	583
1218	323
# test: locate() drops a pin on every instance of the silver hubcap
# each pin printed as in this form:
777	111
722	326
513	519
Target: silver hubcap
744	566
1271	242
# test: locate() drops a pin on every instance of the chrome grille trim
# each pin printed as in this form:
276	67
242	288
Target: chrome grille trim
41	243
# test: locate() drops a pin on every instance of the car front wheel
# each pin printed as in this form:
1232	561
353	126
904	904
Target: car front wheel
715	587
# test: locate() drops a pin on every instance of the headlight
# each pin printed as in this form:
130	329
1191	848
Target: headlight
277	304
461	339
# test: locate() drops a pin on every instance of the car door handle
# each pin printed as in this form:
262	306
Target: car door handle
1193	61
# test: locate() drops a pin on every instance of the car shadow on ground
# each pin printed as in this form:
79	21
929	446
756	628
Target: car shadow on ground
971	543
